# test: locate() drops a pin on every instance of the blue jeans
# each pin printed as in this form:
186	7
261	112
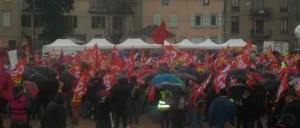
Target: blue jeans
197	120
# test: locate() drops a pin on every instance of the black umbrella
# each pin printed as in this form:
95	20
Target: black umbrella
268	75
28	71
46	71
172	87
270	85
238	74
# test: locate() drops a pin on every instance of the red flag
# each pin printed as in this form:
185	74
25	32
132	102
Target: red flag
151	93
203	86
220	80
270	54
116	63
160	33
283	86
16	72
247	49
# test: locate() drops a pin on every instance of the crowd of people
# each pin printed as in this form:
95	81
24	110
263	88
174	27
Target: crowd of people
235	103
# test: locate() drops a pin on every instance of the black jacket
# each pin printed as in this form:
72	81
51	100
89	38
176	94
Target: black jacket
55	115
119	95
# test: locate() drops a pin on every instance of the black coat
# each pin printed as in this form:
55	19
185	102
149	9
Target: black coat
55	115
119	95
102	110
293	108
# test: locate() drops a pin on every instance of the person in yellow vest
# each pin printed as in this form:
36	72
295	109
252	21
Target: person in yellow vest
163	107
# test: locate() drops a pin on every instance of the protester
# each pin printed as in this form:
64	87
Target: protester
163	107
103	109
290	116
119	96
222	111
17	106
248	109
133	100
55	115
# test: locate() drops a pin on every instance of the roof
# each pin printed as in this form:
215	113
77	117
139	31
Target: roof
147	31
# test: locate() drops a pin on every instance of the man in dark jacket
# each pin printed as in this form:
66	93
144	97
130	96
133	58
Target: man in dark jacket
55	115
103	109
221	111
119	95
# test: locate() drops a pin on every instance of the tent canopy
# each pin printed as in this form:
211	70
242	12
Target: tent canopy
234	43
135	43
208	44
186	44
101	43
67	45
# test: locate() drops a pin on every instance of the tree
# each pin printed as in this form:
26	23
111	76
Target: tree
116	12
51	15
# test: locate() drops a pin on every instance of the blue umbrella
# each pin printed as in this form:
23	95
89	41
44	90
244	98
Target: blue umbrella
168	82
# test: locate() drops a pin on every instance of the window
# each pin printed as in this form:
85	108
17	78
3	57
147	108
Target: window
235	24
98	22
259	4
26	20
235	5
117	22
283	5
156	19
173	20
80	37
165	2
72	20
6	19
198	22
283	25
213	21
205	2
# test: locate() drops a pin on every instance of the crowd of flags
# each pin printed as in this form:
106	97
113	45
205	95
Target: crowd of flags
116	61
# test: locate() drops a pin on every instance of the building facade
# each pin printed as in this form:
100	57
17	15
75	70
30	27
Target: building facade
195	20
261	20
10	23
87	19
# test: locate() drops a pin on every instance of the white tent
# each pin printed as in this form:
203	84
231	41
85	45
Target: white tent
208	44
186	44
234	43
135	43
101	43
67	45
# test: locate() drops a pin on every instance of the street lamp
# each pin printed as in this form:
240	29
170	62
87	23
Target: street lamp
297	34
33	23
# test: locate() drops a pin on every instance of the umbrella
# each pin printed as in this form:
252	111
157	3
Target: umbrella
268	75
31	88
238	74
142	72
186	76
29	71
46	70
169	82
270	84
149	77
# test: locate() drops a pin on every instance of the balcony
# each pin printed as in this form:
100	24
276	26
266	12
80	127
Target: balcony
261	33
261	12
